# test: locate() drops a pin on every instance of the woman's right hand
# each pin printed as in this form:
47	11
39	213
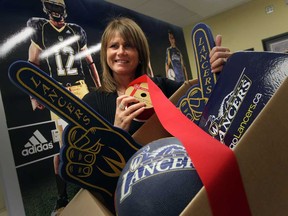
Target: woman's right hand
127	108
219	55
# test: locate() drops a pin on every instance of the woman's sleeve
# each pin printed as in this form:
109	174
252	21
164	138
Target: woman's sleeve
90	99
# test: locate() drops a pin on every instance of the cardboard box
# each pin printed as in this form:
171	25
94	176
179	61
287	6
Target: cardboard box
85	203
262	158
263	162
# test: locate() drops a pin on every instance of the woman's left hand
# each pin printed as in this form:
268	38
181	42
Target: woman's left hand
219	55
127	108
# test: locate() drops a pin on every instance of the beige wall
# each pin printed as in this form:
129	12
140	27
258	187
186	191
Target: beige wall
245	26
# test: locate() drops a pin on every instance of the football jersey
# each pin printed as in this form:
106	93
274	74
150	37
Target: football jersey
176	58
62	64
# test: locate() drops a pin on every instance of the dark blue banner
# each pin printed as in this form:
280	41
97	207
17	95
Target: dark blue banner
247	82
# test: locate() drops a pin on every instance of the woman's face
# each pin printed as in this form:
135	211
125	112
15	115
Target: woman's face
122	57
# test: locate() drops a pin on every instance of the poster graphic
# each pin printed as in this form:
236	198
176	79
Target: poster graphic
34	142
29	152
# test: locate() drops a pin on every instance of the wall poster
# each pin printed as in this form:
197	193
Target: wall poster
29	136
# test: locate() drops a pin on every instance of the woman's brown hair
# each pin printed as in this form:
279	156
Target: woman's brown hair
133	34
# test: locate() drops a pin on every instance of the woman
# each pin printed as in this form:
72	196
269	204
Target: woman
125	56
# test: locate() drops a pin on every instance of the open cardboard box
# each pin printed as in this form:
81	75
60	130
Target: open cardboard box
261	155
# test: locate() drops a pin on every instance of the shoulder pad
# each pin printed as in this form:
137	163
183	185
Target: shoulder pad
36	22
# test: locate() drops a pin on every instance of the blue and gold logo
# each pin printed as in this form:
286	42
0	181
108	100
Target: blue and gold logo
94	152
159	157
195	99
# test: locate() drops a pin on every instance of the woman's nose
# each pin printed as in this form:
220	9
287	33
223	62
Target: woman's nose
121	50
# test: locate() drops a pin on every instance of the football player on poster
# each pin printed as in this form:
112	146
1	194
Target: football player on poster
62	66
174	64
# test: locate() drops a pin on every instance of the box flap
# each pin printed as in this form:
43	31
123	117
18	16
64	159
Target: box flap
84	203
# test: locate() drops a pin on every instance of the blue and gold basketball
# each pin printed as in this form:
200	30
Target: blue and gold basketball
159	179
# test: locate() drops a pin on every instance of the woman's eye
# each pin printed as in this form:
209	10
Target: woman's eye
128	46
113	46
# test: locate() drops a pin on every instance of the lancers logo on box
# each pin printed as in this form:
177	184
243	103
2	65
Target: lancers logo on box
219	125
246	84
31	143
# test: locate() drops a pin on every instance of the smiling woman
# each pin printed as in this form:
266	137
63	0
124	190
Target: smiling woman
125	56
122	58
125	39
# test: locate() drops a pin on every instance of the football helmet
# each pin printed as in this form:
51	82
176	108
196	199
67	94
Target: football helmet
55	8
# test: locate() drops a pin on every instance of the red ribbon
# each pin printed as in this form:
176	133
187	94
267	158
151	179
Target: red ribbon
215	163
137	87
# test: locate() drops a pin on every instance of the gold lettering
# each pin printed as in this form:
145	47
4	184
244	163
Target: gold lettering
86	120
45	89
206	73
208	81
34	82
53	95
61	104
78	113
208	89
203	56
70	107
200	41
205	65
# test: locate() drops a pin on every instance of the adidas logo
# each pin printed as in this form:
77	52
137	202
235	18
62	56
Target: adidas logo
37	143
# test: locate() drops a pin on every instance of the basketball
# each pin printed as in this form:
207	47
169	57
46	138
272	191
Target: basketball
159	179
